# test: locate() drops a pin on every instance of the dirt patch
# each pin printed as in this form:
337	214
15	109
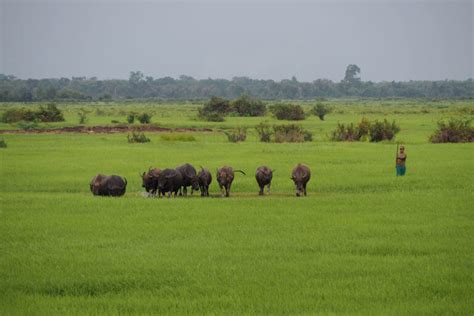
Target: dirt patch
103	130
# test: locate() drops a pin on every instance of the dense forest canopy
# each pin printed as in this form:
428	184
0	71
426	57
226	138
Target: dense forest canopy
139	86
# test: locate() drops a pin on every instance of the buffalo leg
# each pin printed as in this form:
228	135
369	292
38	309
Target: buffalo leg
304	189
227	190
261	190
222	189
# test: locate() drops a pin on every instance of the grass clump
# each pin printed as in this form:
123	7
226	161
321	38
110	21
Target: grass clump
137	137
236	135
264	132
292	112
291	134
453	131
3	143
374	131
175	137
383	130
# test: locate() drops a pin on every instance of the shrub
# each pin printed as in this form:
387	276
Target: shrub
237	135
363	128
3	144
264	132
82	114
320	110
16	115
144	118
291	134
292	112
246	106
383	130
214	110
27	125
453	131
114	121
178	137
49	114
131	117
377	131
344	132
137	137
210	116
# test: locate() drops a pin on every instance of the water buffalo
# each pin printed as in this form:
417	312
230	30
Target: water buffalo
170	180
108	185
264	177
300	176
205	179
225	176
190	178
150	180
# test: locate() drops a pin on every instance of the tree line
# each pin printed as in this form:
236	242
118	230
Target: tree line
139	86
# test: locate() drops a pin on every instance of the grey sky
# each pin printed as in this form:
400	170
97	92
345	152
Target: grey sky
389	40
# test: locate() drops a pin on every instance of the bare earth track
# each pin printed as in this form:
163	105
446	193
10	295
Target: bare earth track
103	129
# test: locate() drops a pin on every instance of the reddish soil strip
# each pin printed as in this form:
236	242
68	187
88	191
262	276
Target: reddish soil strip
103	129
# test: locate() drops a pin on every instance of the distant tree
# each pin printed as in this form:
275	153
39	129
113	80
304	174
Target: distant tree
135	77
351	73
320	110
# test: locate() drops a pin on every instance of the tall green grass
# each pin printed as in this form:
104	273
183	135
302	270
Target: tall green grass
362	242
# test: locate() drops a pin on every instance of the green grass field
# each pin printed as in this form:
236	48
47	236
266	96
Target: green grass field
362	242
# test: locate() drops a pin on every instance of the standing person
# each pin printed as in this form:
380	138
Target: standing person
400	161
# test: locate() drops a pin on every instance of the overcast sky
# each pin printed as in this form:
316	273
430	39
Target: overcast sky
389	40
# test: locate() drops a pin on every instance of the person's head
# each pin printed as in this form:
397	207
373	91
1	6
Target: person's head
402	149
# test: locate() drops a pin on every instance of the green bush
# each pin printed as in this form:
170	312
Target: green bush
210	116
236	135
453	131
49	114
144	118
320	110
24	125
16	115
3	144
82	114
291	112
291	134
383	130
137	137
247	106
131	117
376	131
214	110
178	137
344	132
264	132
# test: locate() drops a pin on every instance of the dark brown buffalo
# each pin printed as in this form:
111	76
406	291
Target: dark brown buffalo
108	185
300	176
205	179
225	176
150	180
170	180
190	178
264	177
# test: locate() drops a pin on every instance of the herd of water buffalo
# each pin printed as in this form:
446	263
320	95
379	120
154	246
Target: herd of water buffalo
167	181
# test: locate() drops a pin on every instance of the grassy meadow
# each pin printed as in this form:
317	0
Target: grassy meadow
362	242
